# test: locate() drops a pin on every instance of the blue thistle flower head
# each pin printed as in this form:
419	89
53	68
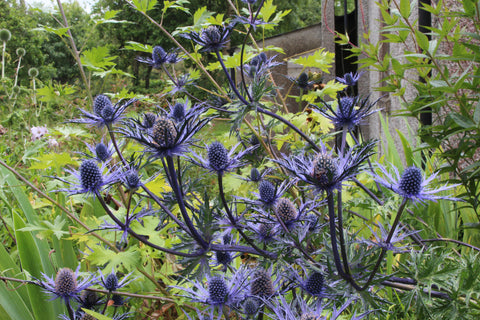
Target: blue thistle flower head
267	192
102	152
219	159
149	120
217	290
178	112
259	65
160	57
251	306
285	210
255	175
212	38
90	178
350	111
66	284
413	185
350	78
167	138
315	284
111	282
261	285
325	171
104	112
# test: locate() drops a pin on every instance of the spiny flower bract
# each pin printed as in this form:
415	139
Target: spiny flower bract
212	38
66	284
219	159
327	172
413	185
160	57
104	112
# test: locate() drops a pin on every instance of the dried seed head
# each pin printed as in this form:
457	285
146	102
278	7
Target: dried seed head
164	133
285	210
33	72
262	285
324	170
217	290
5	35
90	175
217	156
65	282
411	181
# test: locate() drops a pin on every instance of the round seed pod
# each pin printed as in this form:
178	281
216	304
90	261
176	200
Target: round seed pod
5	35
33	72
20	52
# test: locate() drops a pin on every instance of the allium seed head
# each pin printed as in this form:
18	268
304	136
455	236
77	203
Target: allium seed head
90	175
315	284
100	102
65	282
285	210
217	290
20	52
33	72
266	190
217	156
262	285
102	152
411	181
164	133
5	35
324	170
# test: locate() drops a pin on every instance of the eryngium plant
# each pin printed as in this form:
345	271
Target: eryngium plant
291	225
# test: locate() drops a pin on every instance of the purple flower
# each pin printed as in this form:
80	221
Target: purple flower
167	138
212	38
325	171
413	185
66	284
350	111
219	159
111	282
350	78
160	57
104	112
90	178
101	152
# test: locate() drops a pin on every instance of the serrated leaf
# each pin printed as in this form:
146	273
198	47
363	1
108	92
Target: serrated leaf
96	315
320	59
267	10
97	59
144	5
67	131
52	160
200	17
61	32
102	256
132	45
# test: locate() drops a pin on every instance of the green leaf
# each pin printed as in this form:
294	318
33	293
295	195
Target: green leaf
144	5
52	160
200	17
61	32
46	228
319	59
462	121
97	59
132	45
30	252
267	10
103	256
406	149
405	9
97	315
178	4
